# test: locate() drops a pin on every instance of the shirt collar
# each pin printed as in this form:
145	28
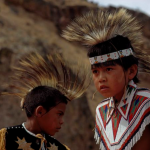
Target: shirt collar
125	102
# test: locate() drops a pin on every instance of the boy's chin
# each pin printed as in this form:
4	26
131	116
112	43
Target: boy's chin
106	95
51	133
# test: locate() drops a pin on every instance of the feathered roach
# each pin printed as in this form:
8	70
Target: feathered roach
99	26
35	70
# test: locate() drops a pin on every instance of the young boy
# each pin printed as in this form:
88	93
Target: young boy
45	91
114	40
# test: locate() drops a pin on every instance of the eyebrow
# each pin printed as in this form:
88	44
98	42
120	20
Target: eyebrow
94	67
106	65
61	111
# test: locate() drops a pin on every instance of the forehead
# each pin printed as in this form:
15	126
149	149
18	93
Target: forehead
59	107
105	64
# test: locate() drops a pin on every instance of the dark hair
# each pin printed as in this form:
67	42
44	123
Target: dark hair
45	96
115	44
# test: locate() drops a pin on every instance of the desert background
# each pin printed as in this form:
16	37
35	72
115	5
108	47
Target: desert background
36	25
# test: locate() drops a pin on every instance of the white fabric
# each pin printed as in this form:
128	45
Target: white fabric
125	127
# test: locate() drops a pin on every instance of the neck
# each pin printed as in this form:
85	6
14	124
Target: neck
116	102
119	97
122	94
32	126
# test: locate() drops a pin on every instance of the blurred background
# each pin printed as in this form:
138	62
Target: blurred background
36	25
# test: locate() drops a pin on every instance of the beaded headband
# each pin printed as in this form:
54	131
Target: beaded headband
111	56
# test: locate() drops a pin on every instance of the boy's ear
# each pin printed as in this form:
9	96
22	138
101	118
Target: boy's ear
132	71
40	111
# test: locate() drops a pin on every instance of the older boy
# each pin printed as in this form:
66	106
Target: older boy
123	118
45	91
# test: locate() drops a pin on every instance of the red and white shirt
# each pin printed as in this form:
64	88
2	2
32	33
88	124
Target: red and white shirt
121	127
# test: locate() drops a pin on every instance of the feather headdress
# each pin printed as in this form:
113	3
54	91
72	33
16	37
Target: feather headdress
51	71
99	26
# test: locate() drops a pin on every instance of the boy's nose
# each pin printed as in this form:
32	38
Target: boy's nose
61	121
102	77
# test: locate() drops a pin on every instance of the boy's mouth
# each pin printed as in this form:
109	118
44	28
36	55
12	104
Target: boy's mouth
103	87
57	129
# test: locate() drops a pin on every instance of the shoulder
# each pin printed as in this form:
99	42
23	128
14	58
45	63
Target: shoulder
142	97
104	102
2	138
141	101
11	130
14	132
15	129
140	108
143	92
55	143
7	135
3	131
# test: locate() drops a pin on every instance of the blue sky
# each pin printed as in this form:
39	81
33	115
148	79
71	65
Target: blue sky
141	5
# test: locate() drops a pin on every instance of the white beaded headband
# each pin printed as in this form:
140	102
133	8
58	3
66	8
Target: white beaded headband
111	56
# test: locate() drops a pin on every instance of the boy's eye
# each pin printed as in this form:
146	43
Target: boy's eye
109	69
94	71
60	114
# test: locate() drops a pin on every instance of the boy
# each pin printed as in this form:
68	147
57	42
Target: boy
44	90
114	40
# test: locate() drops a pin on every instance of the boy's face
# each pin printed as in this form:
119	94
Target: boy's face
51	122
110	80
